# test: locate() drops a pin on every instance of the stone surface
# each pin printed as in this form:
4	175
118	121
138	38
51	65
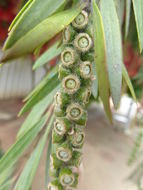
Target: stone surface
105	152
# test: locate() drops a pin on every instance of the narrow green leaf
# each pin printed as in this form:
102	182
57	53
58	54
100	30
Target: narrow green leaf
25	180
19	15
36	113
138	11
100	59
48	161
13	154
47	56
128	81
36	12
40	34
113	48
45	90
95	83
42	83
120	8
128	12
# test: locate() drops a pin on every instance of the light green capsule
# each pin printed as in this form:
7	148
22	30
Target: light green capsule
61	99
66	177
83	42
76	159
77	139
56	138
68	57
81	21
64	152
55	185
75	112
71	84
68	34
59	112
63	72
83	95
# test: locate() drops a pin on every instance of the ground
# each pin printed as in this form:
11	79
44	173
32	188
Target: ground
106	150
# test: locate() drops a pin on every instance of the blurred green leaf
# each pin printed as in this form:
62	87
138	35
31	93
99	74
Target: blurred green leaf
51	84
32	14
95	83
14	153
39	34
128	81
128	14
138	11
25	180
100	59
48	161
37	112
113	48
120	8
47	56
42	83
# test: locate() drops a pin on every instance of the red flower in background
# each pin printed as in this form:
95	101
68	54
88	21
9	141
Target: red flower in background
8	9
132	60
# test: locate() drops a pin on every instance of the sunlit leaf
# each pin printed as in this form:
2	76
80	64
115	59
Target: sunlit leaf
113	47
40	34
33	13
100	59
47	56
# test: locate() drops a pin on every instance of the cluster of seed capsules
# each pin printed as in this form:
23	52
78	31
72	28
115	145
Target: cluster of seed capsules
75	73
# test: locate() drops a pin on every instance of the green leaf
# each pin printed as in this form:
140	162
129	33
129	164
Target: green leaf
51	84
113	48
37	112
128	81
95	83
48	161
128	12
100	59
42	83
25	180
13	154
120	8
47	56
40	34
33	13
138	11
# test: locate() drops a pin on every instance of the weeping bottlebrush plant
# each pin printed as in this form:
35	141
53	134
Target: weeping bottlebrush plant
89	65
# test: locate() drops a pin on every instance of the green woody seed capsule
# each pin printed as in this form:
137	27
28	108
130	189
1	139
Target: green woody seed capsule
83	95
83	42
68	57
64	153
78	139
76	159
81	21
76	113
56	163
68	34
55	185
59	112
61	99
86	69
63	72
71	84
56	138
60	127
66	176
